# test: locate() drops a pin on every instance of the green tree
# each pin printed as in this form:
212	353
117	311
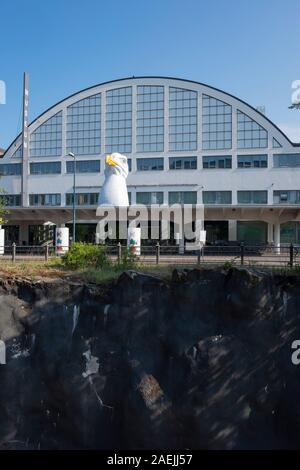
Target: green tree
3	210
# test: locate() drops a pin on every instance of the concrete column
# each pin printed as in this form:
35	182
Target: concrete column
270	196
166	196
133	195
232	230
199	195
270	232
166	163
277	237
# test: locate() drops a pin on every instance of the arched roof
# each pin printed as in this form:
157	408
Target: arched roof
181	83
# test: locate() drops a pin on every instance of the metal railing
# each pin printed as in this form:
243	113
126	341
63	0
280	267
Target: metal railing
157	254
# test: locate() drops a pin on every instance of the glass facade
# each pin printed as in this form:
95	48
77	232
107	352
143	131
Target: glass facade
150	119
10	169
250	134
276	144
18	153
149	164
216	197
252	231
217	161
183	197
289	160
82	199
290	232
84	166
182	119
45	168
119	120
168	125
148	198
252	161
183	163
252	197
44	199
11	200
216	124
84	126
286	197
46	140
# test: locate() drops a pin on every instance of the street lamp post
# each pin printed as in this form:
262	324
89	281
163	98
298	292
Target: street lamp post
71	154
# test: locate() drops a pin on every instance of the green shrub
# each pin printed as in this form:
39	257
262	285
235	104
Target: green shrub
228	264
128	260
83	255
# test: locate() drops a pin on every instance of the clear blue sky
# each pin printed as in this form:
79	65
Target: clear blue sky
250	48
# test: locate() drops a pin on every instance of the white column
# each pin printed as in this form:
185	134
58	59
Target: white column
277	237
2	240
166	196
199	195
232	230
234	197
270	233
133	195
270	195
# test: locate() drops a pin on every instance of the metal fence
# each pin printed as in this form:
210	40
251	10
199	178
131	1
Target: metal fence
236	255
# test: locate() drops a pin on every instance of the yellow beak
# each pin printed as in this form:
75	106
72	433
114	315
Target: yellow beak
110	161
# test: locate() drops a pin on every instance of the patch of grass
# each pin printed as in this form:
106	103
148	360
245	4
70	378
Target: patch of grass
284	270
55	268
97	276
32	269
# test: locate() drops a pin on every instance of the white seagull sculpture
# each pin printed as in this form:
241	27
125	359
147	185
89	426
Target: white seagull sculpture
114	189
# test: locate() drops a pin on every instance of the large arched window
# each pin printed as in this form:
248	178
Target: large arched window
18	153
119	120
182	119
84	126
216	124
250	133
46	140
150	119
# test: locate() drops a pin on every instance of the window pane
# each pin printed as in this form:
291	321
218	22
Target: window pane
217	161
46	140
150	164
217	124
250	133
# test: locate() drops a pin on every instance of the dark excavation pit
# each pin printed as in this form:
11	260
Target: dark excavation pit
202	361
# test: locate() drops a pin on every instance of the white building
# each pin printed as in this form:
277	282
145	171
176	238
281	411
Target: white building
186	142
